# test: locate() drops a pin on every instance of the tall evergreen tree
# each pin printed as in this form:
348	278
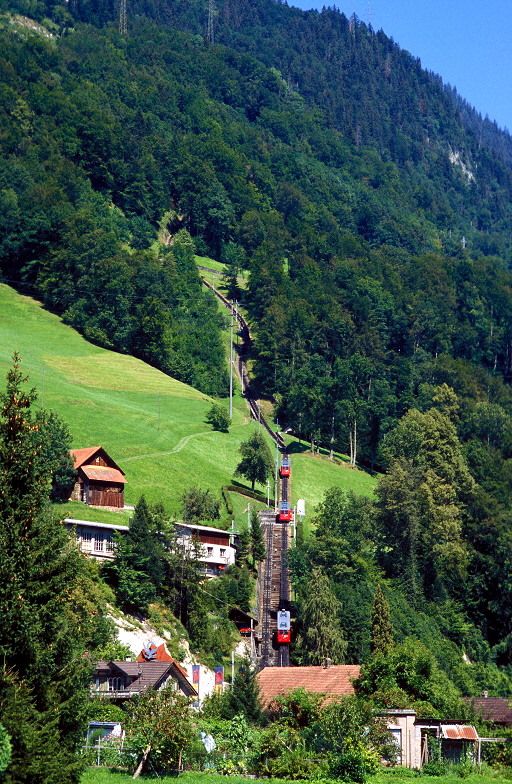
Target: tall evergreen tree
244	696
43	672
321	636
137	572
257	542
382	631
244	546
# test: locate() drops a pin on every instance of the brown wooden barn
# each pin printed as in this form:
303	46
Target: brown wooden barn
100	481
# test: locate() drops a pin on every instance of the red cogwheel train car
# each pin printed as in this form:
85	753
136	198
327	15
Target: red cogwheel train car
283	627
285	467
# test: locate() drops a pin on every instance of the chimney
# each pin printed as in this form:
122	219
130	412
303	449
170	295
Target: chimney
327	663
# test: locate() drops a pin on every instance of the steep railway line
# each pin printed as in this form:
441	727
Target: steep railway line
246	338
273	592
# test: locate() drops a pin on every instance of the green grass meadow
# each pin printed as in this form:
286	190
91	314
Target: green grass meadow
390	776
152	425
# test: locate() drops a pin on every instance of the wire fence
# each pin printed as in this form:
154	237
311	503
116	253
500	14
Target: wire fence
114	754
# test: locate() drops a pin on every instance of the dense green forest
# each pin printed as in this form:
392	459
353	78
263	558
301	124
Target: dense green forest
373	209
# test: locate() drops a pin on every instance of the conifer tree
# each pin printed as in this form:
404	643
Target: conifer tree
244	546
257	541
244	696
321	636
43	672
382	630
137	572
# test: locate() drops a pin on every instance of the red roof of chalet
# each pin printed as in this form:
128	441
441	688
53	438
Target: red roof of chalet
103	473
82	456
333	681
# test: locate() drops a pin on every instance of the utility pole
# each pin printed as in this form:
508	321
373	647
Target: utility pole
123	27
249	518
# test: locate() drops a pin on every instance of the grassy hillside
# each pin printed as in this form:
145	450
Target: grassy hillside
114	400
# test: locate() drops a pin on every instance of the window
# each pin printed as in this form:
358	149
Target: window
209	552
222	552
98	543
109	544
86	536
115	684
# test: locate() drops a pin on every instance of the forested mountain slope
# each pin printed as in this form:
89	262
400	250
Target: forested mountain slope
373	91
376	230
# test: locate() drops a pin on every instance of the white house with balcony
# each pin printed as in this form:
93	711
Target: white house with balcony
96	539
214	547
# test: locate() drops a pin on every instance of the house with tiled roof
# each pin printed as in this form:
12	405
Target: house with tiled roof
122	680
333	680
410	733
100	481
495	709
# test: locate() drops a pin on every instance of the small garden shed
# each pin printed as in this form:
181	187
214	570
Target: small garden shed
100	481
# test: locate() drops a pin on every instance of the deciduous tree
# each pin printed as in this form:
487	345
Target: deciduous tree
256	464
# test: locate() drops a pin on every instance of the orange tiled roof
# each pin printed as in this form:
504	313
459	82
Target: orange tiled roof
103	473
80	456
333	681
162	655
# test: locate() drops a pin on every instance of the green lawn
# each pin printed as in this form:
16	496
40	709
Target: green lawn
205	261
392	776
151	424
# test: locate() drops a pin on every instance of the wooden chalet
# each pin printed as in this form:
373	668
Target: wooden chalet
120	681
154	669
100	481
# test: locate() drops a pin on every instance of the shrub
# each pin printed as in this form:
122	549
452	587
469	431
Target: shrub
218	418
355	763
5	749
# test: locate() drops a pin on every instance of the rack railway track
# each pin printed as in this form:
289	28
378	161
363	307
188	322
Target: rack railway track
273	577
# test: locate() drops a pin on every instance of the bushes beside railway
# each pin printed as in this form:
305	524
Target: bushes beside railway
226	489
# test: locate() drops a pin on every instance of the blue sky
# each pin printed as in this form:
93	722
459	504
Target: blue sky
468	43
